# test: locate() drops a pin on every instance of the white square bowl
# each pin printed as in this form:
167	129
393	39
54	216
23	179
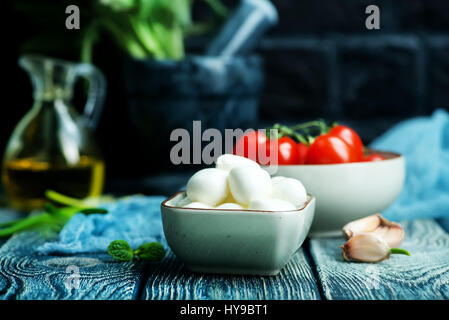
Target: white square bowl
251	242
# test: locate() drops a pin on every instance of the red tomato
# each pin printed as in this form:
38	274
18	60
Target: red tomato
374	157
287	151
249	145
302	152
350	137
328	149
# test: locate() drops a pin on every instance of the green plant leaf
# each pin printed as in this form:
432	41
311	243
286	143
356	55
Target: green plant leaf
169	13
119	5
63	199
31	222
170	39
399	251
53	218
141	28
120	250
147	38
217	7
88	211
88	40
152	251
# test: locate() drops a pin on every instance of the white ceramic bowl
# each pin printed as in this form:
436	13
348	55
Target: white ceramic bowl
251	242
349	191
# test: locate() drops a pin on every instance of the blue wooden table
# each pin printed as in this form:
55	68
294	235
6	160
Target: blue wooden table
317	271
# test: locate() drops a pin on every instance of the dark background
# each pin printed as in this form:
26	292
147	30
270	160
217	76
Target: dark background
320	61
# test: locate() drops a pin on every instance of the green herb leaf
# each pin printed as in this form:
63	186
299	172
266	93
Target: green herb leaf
53	218
120	250
48	207
152	251
63	199
94	210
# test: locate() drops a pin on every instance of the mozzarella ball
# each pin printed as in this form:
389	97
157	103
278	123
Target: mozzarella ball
229	198
208	186
197	205
272	204
229	161
289	189
183	202
277	179
228	205
247	183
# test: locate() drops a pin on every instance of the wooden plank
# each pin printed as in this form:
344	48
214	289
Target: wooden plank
444	223
7	215
424	275
171	281
27	275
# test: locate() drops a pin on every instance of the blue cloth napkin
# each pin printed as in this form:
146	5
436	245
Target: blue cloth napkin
136	219
424	142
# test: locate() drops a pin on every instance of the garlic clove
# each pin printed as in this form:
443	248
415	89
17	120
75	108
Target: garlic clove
367	224
389	231
393	235
366	247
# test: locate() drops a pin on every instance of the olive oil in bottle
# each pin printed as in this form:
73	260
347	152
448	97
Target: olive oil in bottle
53	146
26	180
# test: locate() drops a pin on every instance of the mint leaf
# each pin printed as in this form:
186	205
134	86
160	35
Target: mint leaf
120	250
150	251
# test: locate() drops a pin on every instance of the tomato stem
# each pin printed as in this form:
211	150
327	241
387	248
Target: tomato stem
314	123
306	138
301	139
